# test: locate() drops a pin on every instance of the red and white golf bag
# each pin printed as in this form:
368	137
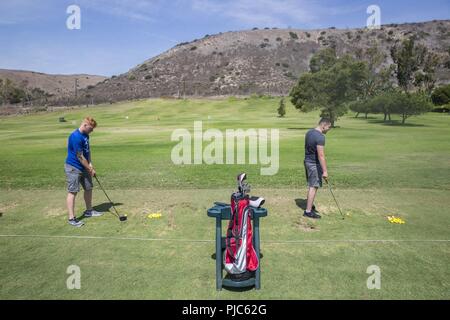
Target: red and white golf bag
240	255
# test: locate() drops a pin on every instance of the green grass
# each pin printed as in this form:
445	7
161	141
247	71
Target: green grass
377	170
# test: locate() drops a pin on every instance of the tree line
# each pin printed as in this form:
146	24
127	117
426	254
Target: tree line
10	93
336	84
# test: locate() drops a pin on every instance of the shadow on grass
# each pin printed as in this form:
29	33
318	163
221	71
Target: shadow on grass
104	207
363	118
299	128
236	289
395	123
301	203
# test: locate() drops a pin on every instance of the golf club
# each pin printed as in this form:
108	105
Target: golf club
331	191
121	218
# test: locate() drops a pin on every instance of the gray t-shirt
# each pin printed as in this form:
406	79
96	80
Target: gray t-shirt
313	138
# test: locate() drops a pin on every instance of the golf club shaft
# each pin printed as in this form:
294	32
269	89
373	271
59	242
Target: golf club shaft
112	204
331	191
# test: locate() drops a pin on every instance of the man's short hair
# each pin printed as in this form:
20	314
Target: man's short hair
324	121
91	121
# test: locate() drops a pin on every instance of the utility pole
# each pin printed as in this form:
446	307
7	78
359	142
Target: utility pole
76	87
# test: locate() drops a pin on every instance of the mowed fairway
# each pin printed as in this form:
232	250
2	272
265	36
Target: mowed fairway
377	170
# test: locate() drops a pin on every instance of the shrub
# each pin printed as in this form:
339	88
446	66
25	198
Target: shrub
441	95
293	35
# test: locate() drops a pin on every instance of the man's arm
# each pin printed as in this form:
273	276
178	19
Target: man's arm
85	163
323	162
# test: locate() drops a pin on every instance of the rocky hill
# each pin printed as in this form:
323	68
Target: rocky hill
266	61
54	84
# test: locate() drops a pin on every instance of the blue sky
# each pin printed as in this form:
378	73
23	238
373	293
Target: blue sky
116	35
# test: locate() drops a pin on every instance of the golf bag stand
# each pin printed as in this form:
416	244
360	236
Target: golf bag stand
239	251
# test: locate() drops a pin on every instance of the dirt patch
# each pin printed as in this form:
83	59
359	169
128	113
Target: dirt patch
305	225
54	212
6	207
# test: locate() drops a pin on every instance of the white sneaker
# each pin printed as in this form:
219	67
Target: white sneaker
92	213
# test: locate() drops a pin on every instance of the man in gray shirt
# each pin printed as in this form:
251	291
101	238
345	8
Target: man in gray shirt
315	164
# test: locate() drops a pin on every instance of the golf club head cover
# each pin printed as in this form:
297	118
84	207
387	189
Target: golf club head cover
256	202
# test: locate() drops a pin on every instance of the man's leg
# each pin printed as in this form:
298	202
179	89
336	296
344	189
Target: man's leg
310	199
71	204
88	199
86	182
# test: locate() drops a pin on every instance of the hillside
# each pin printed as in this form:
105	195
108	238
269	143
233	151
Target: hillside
264	61
56	84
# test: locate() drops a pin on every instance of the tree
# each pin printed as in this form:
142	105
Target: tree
414	66
324	59
331	86
359	106
411	104
441	95
425	79
10	93
282	108
382	103
398	102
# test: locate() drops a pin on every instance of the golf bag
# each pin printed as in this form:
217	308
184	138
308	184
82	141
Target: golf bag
240	258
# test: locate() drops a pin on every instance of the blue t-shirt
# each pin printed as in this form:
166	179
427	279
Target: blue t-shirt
313	139
78	142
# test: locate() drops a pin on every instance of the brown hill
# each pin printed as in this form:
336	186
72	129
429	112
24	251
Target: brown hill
55	84
264	61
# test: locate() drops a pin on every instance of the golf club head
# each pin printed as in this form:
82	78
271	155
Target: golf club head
123	218
243	186
240	179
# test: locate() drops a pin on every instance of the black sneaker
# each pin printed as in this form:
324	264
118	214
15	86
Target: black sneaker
76	223
311	214
314	209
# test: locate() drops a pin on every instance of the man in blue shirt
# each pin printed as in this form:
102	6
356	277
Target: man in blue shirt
79	170
315	163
